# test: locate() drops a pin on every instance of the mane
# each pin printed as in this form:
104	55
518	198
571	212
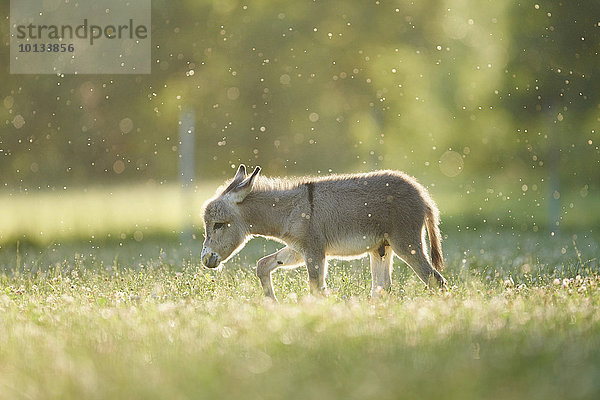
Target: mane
275	183
266	183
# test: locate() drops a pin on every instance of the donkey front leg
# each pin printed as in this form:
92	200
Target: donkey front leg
285	257
317	271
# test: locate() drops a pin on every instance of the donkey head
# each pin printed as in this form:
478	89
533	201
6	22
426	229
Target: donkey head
223	226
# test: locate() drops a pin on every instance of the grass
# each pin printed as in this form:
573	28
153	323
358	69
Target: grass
100	213
143	320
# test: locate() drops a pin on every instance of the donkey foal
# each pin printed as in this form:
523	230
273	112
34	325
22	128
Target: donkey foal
380	213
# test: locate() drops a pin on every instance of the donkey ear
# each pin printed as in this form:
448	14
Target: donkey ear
239	177
239	193
241	173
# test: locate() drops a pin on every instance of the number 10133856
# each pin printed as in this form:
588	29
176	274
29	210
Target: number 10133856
46	48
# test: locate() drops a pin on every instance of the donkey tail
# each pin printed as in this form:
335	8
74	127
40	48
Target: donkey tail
432	220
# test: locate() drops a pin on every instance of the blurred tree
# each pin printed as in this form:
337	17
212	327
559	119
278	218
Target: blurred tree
313	86
552	89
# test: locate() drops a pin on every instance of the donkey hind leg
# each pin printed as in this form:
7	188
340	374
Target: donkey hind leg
285	257
316	264
381	270
414	255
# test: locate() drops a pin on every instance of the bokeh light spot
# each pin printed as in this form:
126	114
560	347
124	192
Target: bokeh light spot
451	163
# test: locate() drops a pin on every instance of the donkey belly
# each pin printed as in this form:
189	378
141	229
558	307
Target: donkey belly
353	246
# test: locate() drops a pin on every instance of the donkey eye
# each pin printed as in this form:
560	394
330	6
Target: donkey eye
218	225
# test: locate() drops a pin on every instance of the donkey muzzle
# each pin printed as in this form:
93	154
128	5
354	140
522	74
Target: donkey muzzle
210	259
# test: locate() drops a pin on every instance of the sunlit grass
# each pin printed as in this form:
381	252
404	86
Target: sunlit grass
103	212
144	320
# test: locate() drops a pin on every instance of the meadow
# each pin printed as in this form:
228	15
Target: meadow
143	320
102	296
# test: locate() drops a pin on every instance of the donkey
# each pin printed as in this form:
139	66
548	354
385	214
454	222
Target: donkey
379	213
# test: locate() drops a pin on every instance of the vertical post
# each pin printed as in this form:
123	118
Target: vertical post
554	211
187	141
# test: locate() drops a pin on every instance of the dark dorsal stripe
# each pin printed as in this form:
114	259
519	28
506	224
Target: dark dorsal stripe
310	187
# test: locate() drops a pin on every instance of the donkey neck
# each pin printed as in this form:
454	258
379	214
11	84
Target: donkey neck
266	212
